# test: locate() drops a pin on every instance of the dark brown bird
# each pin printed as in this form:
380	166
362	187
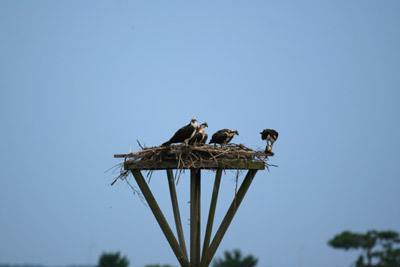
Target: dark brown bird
184	134
223	137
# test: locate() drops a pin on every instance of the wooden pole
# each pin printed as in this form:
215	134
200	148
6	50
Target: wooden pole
210	220
160	218
230	214
195	217
177	215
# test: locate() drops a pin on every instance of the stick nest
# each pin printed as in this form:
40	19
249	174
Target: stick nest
182	157
192	156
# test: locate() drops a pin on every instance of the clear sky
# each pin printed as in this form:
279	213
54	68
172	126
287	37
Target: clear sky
82	80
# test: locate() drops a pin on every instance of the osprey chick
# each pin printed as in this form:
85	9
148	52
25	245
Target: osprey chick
200	137
223	137
271	136
184	134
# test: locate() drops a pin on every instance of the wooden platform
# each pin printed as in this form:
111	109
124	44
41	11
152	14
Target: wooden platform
209	164
171	161
178	157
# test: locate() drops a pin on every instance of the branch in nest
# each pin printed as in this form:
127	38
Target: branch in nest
139	144
192	155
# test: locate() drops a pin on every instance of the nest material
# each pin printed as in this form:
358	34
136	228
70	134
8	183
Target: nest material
182	157
196	156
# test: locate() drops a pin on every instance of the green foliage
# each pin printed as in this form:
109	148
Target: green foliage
235	259
346	240
113	260
378	248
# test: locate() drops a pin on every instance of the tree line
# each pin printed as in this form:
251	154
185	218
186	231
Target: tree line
377	249
230	259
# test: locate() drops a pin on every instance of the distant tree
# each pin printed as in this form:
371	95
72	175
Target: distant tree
157	265
113	260
378	248
235	259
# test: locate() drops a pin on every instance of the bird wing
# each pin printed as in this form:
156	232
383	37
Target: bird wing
205	137
182	134
196	138
219	136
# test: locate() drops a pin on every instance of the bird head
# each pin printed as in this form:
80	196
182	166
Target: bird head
204	125
194	122
234	132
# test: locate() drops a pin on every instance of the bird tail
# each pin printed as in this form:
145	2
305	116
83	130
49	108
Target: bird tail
166	143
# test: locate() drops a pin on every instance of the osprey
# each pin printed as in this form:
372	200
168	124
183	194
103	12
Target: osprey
223	137
271	136
184	134
200	137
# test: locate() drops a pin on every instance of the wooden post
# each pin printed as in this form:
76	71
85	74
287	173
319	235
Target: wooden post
160	218
210	221
195	217
175	208
230	214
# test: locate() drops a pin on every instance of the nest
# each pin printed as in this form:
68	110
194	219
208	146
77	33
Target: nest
180	157
194	156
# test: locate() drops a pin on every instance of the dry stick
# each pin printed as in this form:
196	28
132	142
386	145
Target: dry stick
215	159
201	162
236	186
114	168
135	191
179	159
191	159
223	153
122	173
179	162
180	170
149	174
179	176
139	144
191	153
191	156
119	176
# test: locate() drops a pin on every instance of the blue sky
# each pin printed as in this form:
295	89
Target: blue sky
81	81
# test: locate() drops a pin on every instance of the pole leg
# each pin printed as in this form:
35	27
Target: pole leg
210	220
160	218
177	215
230	214
195	217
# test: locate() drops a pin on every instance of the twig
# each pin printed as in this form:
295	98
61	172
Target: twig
149	174
135	191
139	144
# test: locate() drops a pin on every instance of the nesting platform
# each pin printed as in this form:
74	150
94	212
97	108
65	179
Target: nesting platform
195	158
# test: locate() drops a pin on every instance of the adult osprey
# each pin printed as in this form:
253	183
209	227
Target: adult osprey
223	137
184	134
200	137
271	136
